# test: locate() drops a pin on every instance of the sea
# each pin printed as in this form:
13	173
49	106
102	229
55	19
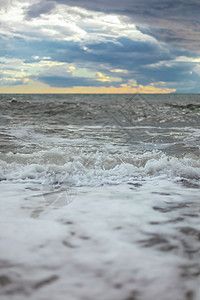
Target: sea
100	196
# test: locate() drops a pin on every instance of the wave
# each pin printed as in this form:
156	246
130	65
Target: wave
73	167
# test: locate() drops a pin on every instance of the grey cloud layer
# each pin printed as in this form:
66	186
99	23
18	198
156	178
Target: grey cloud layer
176	22
173	21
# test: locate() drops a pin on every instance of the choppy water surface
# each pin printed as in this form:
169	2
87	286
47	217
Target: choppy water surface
129	166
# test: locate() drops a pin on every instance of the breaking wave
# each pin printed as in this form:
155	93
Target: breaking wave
78	168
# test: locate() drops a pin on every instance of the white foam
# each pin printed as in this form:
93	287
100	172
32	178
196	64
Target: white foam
96	168
95	244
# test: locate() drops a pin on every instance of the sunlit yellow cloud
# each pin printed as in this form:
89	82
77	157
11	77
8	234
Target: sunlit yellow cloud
147	89
120	71
188	59
71	69
13	74
102	77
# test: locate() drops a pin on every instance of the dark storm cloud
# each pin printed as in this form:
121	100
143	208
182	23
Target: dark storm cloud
176	22
181	10
122	54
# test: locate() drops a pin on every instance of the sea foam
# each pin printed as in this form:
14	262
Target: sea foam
96	168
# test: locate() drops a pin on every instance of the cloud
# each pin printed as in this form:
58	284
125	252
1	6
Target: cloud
121	44
60	25
107	63
176	22
183	76
47	21
39	8
66	75
12	76
4	4
102	77
123	53
105	78
7	78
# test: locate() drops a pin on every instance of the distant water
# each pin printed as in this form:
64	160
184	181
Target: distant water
145	147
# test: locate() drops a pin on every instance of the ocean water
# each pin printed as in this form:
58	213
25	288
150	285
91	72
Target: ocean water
100	197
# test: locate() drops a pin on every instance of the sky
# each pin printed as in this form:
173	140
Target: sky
102	46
